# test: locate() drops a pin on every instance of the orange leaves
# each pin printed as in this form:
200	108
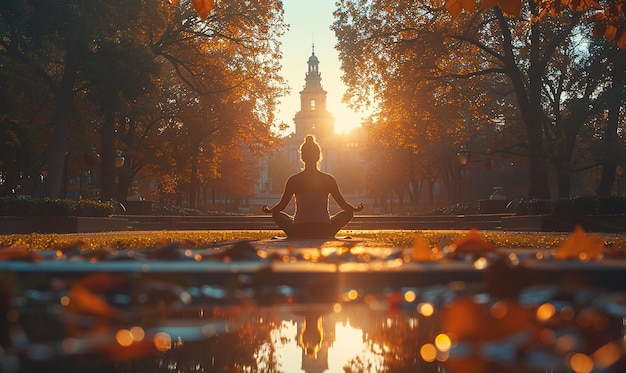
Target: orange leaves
422	252
19	253
473	243
456	7
608	20
607	25
203	7
580	246
465	319
511	7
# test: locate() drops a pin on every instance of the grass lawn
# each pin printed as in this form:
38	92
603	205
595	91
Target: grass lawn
200	239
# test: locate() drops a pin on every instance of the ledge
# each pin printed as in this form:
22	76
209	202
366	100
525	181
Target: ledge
72	224
564	223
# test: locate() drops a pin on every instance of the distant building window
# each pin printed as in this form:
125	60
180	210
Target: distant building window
312	104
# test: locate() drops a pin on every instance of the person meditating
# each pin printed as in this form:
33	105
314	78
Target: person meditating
311	188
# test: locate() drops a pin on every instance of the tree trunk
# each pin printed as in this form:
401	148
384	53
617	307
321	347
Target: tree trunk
611	139
193	184
107	152
60	121
538	186
564	184
529	102
124	178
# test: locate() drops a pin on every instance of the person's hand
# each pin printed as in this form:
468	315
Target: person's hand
359	207
266	209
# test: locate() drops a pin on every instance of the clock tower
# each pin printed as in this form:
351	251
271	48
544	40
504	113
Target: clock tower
313	118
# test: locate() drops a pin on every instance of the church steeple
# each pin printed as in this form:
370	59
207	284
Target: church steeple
313	117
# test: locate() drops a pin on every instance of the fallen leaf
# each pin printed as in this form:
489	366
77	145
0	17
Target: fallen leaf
579	245
472	243
466	320
422	252
19	253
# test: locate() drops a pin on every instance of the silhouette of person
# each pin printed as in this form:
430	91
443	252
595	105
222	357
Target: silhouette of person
311	188
312	334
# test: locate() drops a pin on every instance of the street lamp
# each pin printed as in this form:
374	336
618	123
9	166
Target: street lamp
463	156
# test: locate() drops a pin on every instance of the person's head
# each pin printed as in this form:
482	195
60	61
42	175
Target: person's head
310	151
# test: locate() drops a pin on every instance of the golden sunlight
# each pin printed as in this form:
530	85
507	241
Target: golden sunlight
339	343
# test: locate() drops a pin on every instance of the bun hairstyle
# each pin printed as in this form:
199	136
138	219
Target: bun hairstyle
310	150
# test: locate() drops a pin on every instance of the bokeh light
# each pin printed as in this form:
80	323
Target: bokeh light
65	301
606	355
499	309
581	363
480	263
545	312
443	342
162	341
428	352
124	337
138	333
410	296
426	309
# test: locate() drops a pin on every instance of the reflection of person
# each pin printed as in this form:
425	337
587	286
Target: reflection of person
311	336
312	188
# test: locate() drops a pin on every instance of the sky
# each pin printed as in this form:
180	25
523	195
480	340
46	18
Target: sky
310	23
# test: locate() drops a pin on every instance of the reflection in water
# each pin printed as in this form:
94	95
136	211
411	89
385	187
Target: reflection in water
469	335
328	342
453	328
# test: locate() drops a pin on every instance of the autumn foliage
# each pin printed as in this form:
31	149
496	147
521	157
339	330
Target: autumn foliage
203	7
609	20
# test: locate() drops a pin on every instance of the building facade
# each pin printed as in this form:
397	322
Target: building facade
341	155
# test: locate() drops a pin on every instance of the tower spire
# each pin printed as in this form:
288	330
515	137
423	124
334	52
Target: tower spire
313	116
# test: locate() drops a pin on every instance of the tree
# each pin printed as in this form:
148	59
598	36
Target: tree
615	98
114	55
608	17
231	89
502	61
46	38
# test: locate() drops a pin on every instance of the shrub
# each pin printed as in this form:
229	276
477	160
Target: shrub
54	207
92	208
580	205
17	207
534	206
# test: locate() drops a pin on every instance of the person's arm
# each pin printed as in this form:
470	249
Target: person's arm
341	201
284	199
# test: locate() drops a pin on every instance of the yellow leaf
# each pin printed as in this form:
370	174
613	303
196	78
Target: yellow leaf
203	7
579	245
